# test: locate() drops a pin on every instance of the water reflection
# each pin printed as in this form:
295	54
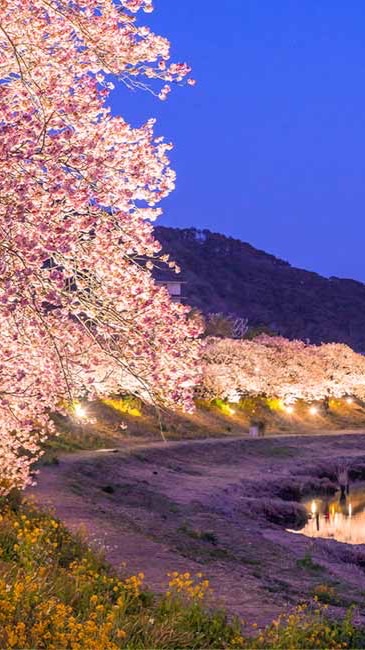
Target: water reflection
340	517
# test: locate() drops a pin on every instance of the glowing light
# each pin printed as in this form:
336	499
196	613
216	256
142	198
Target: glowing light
350	509
232	411
289	409
313	507
233	396
349	400
79	410
313	410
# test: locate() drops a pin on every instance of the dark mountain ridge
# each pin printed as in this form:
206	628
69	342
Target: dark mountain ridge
224	274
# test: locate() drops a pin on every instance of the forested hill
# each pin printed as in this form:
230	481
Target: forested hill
223	274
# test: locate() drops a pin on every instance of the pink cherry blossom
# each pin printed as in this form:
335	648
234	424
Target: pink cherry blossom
276	367
79	313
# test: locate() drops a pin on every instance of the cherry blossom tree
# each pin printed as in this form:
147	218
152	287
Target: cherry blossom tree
276	367
343	370
79	313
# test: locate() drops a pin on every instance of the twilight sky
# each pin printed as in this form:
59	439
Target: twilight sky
270	144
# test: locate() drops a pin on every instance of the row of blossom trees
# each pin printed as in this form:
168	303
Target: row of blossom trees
276	367
79	188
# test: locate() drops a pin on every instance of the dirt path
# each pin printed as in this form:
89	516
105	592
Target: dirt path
212	506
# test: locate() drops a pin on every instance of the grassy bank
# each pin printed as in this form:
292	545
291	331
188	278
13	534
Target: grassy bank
116	420
57	593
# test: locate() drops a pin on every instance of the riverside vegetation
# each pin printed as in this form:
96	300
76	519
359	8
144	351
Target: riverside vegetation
56	592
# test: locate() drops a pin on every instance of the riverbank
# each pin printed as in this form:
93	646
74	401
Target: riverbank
220	507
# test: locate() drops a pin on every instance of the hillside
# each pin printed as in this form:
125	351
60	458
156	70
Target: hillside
226	275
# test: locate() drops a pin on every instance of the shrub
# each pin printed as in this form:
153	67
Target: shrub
310	627
56	593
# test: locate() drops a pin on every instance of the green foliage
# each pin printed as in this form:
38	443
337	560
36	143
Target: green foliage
309	627
56	593
327	594
308	564
249	404
127	404
224	408
204	536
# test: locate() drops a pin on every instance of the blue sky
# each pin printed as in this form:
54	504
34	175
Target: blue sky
270	143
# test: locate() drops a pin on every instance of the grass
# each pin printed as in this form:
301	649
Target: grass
114	421
308	564
276	586
269	449
55	592
201	546
111	422
326	593
203	536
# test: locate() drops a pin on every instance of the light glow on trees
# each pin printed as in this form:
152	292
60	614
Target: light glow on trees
233	396
313	410
80	411
289	409
79	314
289	370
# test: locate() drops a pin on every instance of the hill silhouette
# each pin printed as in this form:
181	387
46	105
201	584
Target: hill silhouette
226	275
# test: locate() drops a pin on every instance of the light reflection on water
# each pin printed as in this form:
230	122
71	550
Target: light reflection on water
337	518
